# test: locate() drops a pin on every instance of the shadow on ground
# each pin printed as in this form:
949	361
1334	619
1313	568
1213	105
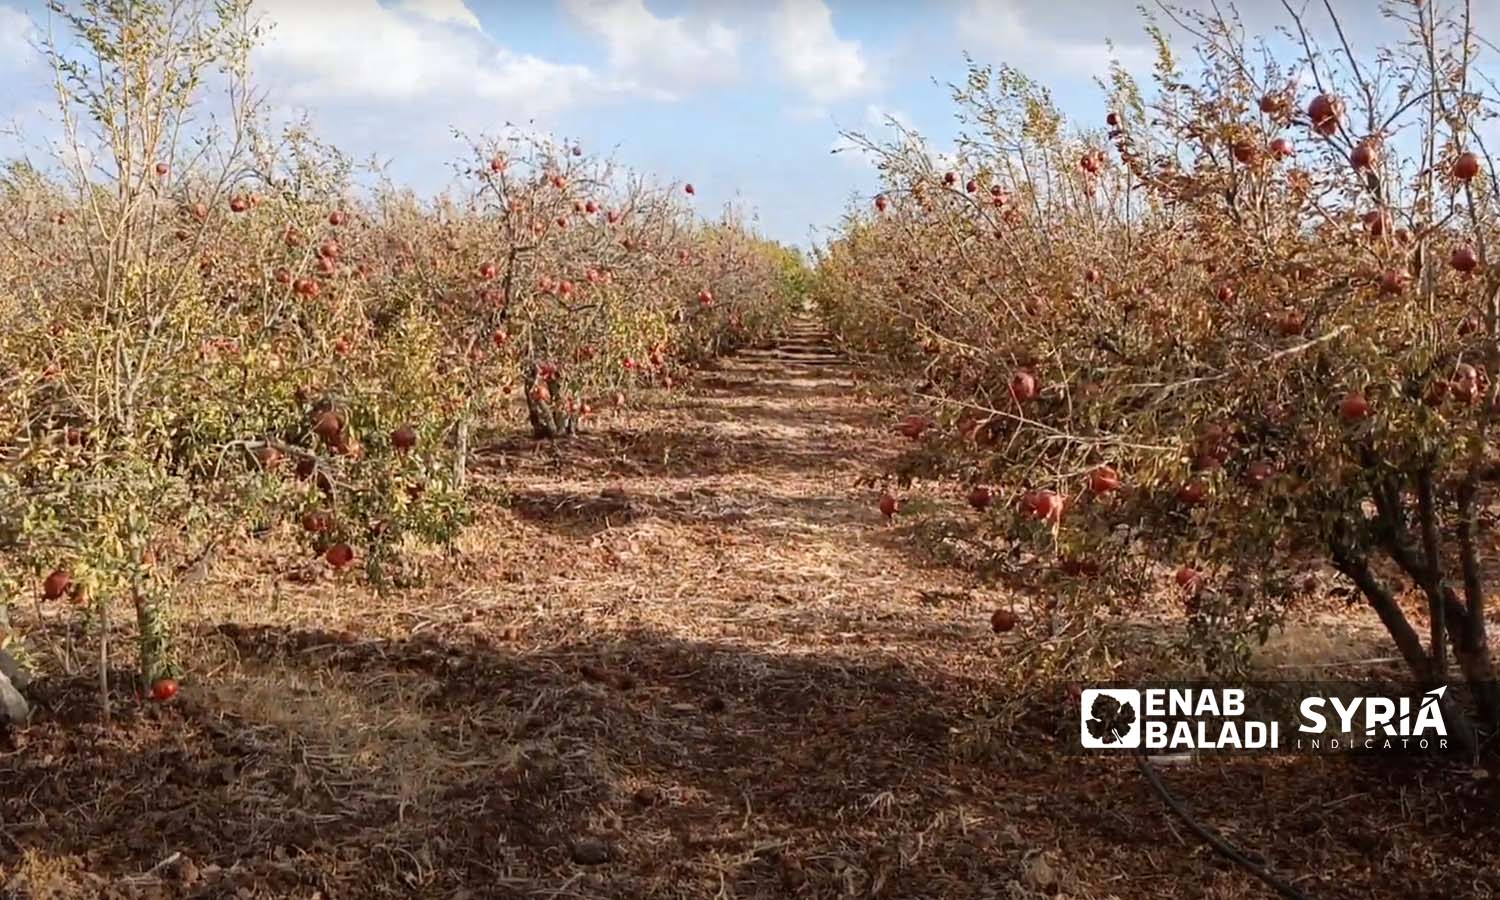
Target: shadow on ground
646	765
772	516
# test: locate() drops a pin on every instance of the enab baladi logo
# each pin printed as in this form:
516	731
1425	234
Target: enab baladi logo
1266	718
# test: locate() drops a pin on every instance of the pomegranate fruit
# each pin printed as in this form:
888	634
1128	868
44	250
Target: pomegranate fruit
1393	281
1023	386
1354	407
328	424
1043	505
1192	493
912	427
56	584
1003	620
1103	480
339	555
1464	259
1325	111
1466	166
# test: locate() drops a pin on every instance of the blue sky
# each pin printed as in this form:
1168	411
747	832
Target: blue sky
743	98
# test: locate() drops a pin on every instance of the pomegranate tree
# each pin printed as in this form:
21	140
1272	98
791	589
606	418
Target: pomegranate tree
1234	364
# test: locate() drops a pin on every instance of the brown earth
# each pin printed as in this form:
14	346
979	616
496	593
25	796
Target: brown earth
679	657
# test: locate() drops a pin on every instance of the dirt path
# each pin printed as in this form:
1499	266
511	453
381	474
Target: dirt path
678	657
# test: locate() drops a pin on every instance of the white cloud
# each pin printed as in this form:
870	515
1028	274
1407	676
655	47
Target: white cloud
16	33
884	125
361	50
812	55
664	53
877	125
998	26
22	114
450	12
806	113
880	116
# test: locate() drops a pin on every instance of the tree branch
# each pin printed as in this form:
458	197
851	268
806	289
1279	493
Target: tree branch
1357	569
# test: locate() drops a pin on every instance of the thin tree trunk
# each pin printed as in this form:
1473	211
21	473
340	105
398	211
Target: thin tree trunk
154	639
104	660
1436	601
461	453
1380	598
1470	642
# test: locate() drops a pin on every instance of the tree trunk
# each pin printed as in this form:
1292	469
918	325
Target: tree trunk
1472	652
1380	598
461	454
548	421
1470	639
1357	569
540	414
154	639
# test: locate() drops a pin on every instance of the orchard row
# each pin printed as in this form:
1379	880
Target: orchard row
1244	330
205	334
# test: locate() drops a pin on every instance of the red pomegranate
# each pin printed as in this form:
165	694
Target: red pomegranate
1003	620
339	555
1023	386
1043	505
1464	259
1325	110
1466	166
1354	407
56	584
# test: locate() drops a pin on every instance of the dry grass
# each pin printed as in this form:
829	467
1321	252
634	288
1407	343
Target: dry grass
680	657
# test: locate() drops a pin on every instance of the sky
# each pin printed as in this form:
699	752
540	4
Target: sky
743	98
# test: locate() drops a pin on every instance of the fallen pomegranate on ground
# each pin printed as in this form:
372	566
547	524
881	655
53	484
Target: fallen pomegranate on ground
912	427
56	584
1003	620
1043	505
163	689
339	555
